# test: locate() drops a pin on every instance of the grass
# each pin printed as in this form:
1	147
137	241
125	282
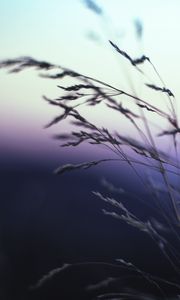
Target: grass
141	154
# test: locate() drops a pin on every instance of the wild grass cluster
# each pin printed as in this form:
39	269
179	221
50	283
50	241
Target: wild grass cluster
141	153
88	91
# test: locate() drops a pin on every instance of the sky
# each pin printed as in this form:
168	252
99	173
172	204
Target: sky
70	34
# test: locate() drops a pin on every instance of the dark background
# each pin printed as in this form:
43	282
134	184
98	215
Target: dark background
48	220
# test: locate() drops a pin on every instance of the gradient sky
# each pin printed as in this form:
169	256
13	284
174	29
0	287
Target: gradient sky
59	31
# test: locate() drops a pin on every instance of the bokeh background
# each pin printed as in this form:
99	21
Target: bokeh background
46	220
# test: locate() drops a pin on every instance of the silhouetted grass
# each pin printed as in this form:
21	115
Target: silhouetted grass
140	151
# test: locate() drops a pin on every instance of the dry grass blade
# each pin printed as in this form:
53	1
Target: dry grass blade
140	60
18	64
67	110
85	165
92	5
78	87
61	75
110	187
126	112
147	227
49	276
102	284
146	107
123	53
134	62
142	149
170	132
157	88
145	275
